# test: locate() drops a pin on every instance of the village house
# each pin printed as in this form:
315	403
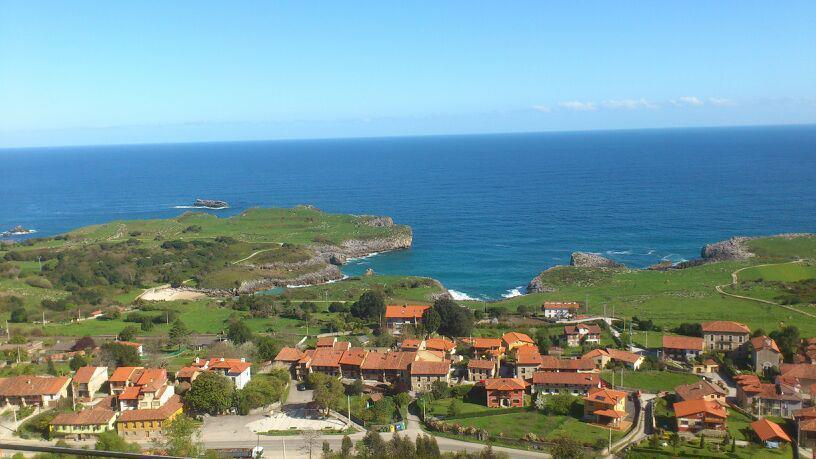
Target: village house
396	316
764	353
550	363
682	348
396	367
326	360
27	390
479	370
806	426
186	375
701	390
150	389
696	415
446	346
707	366
82	425
574	383
412	345
237	370
513	340
802	374
424	374
88	381
560	310
528	361
351	362
723	335
771	399
605	406
575	335
304	364
372	367
601	357
288	358
504	392
769	433
122	378
148	423
486	348
326	341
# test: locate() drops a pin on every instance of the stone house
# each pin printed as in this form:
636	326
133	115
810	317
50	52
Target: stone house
424	374
575	335
764	353
725	336
479	370
682	348
528	361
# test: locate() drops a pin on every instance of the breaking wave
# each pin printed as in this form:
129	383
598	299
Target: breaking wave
518	291
461	296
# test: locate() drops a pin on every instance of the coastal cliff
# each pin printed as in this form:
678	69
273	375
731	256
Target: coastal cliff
592	260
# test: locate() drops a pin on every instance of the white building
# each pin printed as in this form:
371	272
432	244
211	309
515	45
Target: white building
560	310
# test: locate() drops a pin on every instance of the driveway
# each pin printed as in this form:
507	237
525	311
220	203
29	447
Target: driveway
298	397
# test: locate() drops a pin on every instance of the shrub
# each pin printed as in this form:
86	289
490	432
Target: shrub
38	282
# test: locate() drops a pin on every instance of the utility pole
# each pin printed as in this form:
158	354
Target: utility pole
348	408
586	303
39	260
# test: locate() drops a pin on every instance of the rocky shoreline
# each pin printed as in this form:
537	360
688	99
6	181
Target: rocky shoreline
733	249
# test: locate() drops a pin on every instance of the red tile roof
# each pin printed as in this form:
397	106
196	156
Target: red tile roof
698	390
22	386
763	342
84	374
354	356
430	368
439	344
484	343
481	364
572	379
591	329
231	366
83	418
410	344
798	370
130	393
605	396
685	343
767	430
550	363
398	360
691	407
514	337
505	384
623	356
610	413
375	360
326	357
342	345
187	372
405	312
289	354
326	341
153	414
128	343
725	326
805	413
528	356
124	374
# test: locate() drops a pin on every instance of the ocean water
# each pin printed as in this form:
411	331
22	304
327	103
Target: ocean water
488	212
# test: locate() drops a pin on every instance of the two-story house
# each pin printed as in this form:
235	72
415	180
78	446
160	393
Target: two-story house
88	381
725	336
575	335
764	353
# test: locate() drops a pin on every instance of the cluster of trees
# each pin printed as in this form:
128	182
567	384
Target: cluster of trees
689	329
561	404
373	446
212	393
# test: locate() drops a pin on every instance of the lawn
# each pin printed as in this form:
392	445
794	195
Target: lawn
650	380
788	272
712	449
516	425
439	408
738	425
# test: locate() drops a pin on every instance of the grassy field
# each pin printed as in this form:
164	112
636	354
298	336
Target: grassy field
667	297
439	408
516	425
712	449
788	272
771	249
650	380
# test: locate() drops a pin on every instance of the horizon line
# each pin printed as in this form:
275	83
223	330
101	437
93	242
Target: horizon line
406	136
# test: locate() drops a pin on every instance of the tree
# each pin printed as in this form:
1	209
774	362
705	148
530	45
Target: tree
702	440
689	329
401	446
258	392
84	343
77	361
427	448
382	410
19	316
210	393
327	451
370	306
542	338
432	321
454	408
120	355
345	447
238	332
674	440
178	334
787	338
266	348
440	389
128	333
338	307
311	438
560	404
327	391
181	436
402	399
566	448
372	445
356	387
50	368
110	441
455	320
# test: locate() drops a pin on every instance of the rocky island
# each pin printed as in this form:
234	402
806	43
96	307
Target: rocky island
210	203
18	230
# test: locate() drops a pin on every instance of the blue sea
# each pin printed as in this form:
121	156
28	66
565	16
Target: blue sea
488	211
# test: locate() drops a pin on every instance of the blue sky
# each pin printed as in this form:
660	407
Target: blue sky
128	72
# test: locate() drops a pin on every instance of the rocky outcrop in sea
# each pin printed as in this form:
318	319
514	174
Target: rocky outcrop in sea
592	260
731	249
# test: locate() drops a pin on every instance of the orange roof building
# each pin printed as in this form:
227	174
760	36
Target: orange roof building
574	383
724	335
237	370
769	432
605	406
440	344
148	423
40	391
396	316
504	392
83	424
695	415
88	380
682	348
512	340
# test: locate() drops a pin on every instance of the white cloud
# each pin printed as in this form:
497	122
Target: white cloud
578	105
687	101
629	104
541	108
721	102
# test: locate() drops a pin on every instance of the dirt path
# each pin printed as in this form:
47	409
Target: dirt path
252	255
735	282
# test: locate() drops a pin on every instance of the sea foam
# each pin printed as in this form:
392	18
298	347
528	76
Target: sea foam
518	291
460	296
